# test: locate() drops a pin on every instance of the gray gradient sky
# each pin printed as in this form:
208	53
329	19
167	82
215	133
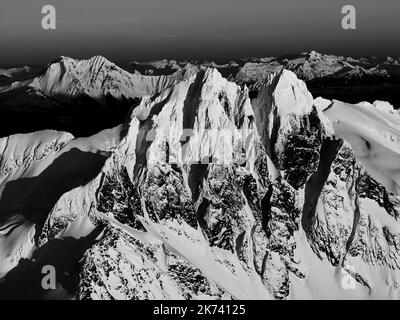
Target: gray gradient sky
125	30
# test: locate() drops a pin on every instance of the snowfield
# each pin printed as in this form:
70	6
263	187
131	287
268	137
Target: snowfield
373	133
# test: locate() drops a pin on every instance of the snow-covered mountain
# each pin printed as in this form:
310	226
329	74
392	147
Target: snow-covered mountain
334	77
98	78
313	66
206	190
68	93
308	66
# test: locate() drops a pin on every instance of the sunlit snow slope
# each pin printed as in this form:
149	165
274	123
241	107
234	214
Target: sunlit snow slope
373	132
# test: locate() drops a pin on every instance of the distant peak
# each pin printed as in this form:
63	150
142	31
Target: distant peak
314	55
290	93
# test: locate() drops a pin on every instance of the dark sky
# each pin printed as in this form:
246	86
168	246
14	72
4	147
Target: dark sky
126	30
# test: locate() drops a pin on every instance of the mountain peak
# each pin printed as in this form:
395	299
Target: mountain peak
313	55
98	77
291	94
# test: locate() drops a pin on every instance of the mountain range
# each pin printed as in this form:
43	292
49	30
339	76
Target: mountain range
196	181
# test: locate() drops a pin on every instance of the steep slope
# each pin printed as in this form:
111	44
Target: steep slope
35	170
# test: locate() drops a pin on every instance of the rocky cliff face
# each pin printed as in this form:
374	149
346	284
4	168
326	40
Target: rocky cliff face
214	192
